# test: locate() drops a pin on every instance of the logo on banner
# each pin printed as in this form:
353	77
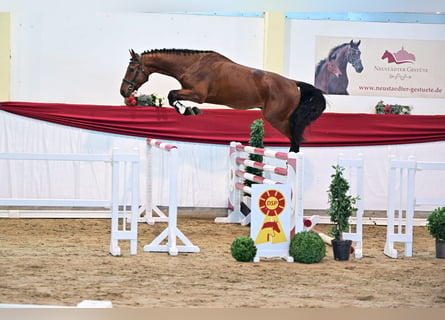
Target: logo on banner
394	67
271	204
399	57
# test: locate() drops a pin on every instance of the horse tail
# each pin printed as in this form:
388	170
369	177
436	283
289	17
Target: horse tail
312	104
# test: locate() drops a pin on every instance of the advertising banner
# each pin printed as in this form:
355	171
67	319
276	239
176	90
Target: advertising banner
380	67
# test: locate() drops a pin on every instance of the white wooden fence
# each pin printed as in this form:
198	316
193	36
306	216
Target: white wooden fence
402	201
117	202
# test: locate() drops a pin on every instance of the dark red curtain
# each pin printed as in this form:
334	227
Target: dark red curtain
220	126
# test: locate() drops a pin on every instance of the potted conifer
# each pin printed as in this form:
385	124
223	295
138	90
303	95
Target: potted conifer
341	207
256	140
436	228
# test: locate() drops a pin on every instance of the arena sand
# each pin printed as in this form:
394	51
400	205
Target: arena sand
65	261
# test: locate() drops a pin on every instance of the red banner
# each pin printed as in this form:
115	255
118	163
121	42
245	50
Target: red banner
220	126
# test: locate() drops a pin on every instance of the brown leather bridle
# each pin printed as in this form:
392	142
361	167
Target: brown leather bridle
132	84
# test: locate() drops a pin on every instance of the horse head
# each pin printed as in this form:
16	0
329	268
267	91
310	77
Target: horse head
388	55
135	76
354	56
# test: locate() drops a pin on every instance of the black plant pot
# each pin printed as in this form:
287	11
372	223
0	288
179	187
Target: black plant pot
342	249
440	249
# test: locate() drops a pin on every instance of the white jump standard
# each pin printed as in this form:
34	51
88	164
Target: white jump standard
293	174
171	232
400	228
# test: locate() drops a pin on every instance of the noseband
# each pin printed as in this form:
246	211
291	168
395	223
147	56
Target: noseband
132	85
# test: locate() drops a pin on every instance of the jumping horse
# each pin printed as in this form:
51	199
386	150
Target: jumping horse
207	76
330	73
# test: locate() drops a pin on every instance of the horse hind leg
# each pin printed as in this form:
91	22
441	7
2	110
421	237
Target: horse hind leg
296	134
294	143
312	104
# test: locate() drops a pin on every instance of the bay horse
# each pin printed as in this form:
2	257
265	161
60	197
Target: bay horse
207	76
330	73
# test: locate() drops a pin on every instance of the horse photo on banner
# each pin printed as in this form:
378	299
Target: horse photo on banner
380	67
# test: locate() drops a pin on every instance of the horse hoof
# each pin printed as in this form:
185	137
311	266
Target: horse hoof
196	110
188	112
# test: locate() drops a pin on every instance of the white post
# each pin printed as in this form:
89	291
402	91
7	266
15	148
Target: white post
114	245
149	205
134	202
356	236
403	168
295	169
173	205
409	214
234	214
148	186
124	234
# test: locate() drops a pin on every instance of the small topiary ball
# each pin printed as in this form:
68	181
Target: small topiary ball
243	249
307	247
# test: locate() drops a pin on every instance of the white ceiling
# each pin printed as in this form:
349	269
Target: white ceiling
423	6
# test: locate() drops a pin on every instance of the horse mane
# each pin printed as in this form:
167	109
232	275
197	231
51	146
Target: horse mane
330	56
335	49
176	51
320	65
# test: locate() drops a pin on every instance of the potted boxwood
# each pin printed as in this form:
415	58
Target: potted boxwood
341	207
436	228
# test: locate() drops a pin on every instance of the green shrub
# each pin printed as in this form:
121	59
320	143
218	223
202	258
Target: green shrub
243	249
307	247
256	140
436	223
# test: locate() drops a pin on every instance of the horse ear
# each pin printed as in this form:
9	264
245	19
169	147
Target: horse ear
358	43
132	53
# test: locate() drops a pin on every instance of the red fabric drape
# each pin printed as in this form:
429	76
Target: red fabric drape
220	126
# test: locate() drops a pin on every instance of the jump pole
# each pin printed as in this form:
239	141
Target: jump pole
171	232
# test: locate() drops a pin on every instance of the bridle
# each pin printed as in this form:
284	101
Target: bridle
132	84
352	61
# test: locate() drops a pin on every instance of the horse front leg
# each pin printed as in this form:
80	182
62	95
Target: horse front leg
173	98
